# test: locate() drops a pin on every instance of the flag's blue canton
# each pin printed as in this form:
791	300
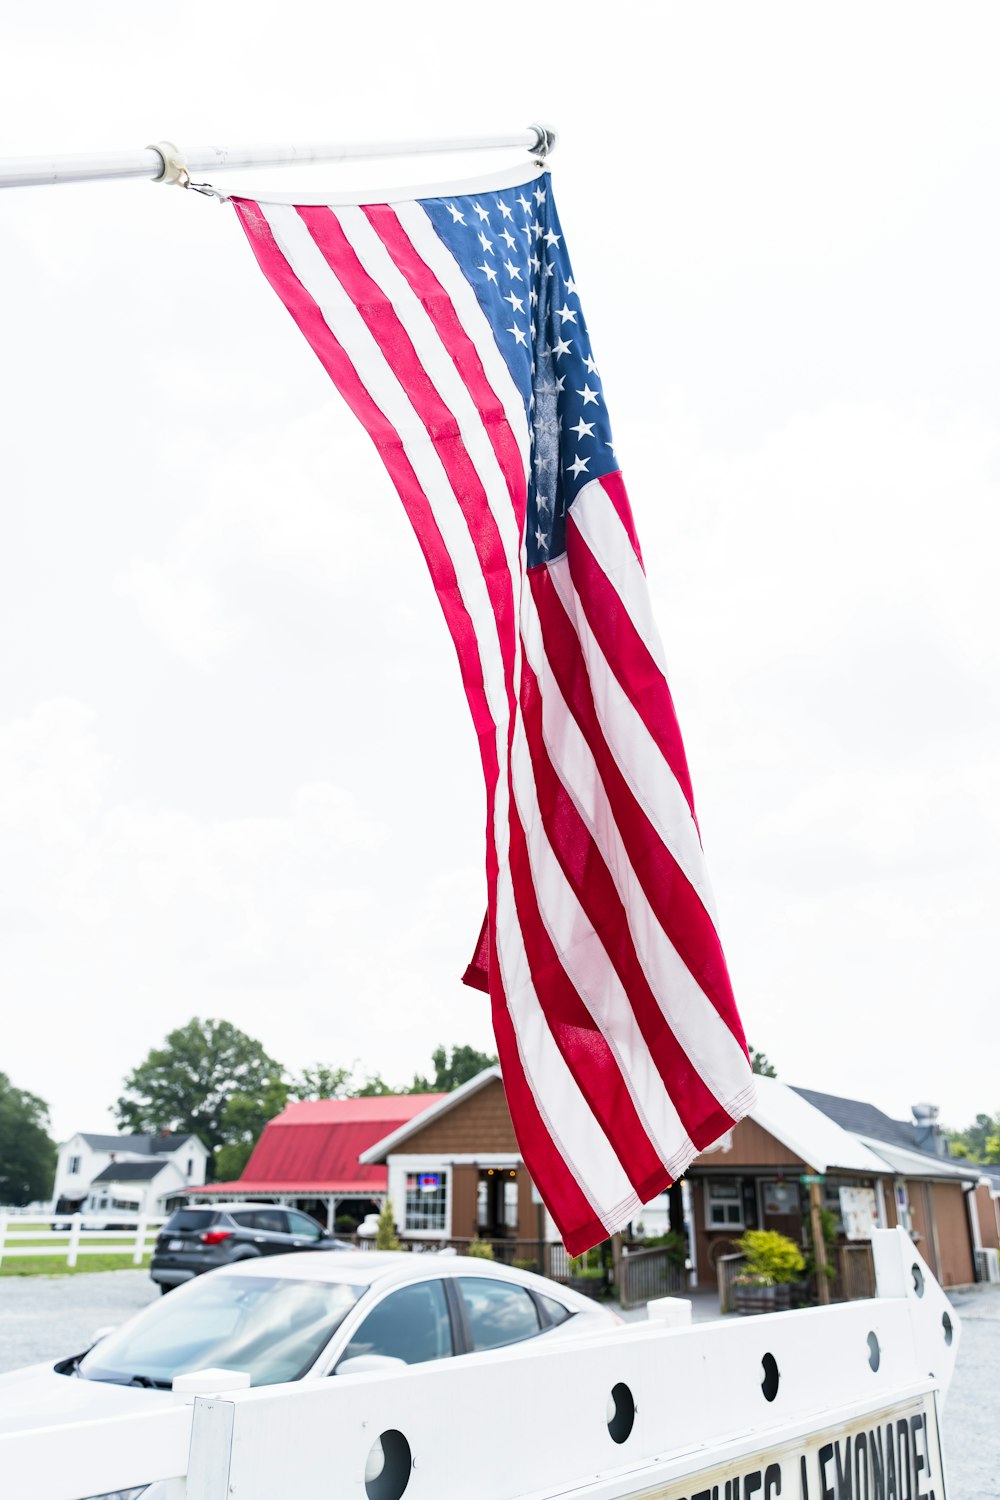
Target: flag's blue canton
510	247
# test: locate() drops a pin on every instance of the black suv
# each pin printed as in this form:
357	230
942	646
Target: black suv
199	1239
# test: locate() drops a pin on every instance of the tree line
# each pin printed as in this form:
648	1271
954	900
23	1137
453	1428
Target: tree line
212	1080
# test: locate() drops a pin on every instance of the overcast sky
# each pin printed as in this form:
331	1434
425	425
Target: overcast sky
237	776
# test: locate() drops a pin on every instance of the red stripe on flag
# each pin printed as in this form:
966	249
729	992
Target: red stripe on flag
627	655
586	1052
442	427
576	1218
614	487
439	308
591	881
674	901
341	371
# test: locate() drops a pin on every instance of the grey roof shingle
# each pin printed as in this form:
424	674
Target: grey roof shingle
142	1145
130	1171
864	1119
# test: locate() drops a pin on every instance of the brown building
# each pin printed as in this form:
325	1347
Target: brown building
875	1175
454	1172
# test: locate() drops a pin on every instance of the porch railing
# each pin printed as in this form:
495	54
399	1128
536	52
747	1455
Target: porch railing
528	1255
644	1274
855	1272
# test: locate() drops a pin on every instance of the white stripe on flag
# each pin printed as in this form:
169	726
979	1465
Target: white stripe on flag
692	1017
581	1141
439	365
579	1137
638	756
601	527
436	255
590	970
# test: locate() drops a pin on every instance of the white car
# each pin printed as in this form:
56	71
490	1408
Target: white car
300	1317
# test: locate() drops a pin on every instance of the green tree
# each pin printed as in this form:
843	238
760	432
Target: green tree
27	1152
321	1082
451	1072
761	1065
375	1085
980	1141
243	1121
189	1083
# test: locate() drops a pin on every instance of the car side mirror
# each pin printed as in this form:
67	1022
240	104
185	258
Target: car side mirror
367	1364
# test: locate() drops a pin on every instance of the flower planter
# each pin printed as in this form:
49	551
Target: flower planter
762	1299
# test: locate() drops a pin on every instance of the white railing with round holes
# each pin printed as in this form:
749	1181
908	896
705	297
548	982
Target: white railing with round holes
780	1403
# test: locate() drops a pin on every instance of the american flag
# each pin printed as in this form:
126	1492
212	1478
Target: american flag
452	327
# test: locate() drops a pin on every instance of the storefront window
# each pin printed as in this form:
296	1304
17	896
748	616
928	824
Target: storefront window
723	1203
426	1202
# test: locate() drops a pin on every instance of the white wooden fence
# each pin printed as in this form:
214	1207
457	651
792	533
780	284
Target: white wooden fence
86	1235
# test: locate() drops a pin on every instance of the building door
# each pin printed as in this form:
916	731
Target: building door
496	1203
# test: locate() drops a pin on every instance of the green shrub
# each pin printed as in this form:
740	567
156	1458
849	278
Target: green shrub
482	1249
385	1234
772	1259
525	1265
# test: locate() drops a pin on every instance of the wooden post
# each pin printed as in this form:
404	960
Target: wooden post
819	1243
617	1256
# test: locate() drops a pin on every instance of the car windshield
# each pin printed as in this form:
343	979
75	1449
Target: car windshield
270	1326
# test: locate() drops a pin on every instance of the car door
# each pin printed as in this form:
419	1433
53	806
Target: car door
412	1323
266	1228
497	1312
305	1233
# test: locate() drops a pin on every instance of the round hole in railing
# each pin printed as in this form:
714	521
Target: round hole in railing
621	1412
874	1352
387	1472
948	1326
918	1279
772	1377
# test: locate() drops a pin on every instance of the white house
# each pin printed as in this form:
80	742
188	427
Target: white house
134	1173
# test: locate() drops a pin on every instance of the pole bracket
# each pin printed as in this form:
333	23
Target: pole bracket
174	165
544	145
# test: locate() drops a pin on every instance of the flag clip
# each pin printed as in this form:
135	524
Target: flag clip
174	166
544	145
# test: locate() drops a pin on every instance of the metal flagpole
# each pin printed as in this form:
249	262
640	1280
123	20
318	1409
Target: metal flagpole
163	162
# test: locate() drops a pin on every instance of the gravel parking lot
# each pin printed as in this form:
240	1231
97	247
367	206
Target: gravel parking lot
46	1317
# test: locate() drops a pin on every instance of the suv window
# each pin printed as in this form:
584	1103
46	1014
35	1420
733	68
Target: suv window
246	1218
303	1226
497	1312
270	1221
411	1324
190	1218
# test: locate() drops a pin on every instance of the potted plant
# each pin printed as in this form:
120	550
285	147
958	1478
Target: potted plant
771	1264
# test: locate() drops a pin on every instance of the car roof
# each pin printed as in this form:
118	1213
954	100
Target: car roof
368	1267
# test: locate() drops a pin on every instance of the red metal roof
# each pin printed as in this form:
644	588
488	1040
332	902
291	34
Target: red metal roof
313	1146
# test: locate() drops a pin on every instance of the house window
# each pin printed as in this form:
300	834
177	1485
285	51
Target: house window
74	1165
723	1203
426	1202
190	1166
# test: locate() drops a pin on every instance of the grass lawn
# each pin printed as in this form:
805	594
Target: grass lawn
52	1265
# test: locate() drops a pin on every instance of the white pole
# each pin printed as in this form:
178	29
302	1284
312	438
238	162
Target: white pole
140	1241
165	162
3	1234
74	1240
